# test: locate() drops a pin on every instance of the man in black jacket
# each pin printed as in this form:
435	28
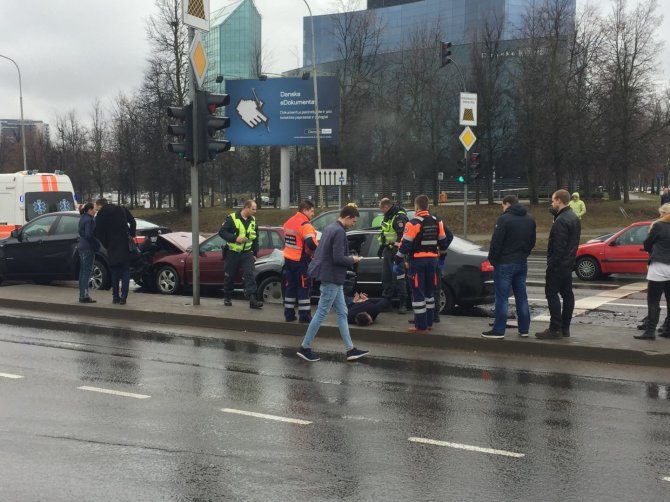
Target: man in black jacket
114	226
561	252
512	241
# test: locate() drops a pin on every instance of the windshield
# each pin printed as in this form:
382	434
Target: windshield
38	203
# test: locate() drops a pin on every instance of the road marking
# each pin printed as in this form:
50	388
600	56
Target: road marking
467	447
267	417
666	478
114	392
9	375
358	417
583	305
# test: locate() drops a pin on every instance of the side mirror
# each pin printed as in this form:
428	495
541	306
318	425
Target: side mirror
16	234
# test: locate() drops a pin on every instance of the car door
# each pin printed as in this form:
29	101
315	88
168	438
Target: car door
211	261
23	257
60	247
624	254
369	269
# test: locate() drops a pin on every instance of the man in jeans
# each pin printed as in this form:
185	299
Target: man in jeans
512	241
329	266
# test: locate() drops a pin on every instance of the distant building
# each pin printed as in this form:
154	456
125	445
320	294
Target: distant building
233	43
10	129
398	19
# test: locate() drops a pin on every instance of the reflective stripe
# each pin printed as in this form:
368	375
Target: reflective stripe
418	304
290	299
400	276
429	243
304	308
304	302
420	311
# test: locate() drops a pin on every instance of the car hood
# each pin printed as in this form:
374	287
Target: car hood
181	240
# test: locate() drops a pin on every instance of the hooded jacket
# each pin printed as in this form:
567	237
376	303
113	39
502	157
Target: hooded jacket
577	205
513	237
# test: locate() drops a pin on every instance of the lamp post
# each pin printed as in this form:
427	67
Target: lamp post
23	130
316	94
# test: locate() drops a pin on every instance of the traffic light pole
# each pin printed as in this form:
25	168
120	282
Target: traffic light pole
465	193
195	191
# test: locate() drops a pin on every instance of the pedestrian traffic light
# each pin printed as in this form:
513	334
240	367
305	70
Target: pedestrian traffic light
462	169
446	53
183	130
209	124
475	160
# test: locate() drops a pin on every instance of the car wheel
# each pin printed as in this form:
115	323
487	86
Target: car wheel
447	300
99	276
587	268
270	290
167	281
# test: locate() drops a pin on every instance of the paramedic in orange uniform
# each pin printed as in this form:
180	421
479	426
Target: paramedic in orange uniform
299	245
424	244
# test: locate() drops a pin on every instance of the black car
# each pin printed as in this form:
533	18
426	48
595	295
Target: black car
45	250
369	217
145	229
467	277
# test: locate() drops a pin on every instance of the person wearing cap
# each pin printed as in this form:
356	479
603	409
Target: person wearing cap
577	205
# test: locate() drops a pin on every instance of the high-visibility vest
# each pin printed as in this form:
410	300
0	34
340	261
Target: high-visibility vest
297	229
388	235
242	231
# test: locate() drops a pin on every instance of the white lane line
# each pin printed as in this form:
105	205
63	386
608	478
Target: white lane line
9	375
666	478
267	417
467	447
364	419
114	392
583	305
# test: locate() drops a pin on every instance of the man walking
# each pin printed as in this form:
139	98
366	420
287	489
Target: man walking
512	241
299	246
114	227
577	205
392	228
561	252
239	231
330	264
425	239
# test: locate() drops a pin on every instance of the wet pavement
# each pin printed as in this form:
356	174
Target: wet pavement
96	416
57	307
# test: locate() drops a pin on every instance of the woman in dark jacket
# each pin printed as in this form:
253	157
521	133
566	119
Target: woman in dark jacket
87	247
657	244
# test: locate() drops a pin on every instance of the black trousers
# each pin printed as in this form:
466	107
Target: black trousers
392	283
234	262
559	282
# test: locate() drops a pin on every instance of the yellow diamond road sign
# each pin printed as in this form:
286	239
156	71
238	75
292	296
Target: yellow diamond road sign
467	138
198	59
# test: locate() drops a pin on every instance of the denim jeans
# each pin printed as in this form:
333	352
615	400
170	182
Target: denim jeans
512	276
86	259
331	294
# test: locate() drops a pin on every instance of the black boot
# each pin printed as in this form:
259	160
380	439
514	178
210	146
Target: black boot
652	321
643	324
664	330
254	303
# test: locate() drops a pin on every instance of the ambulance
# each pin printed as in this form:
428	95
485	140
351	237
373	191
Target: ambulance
27	194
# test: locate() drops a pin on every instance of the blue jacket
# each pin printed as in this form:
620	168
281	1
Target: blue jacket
331	258
87	240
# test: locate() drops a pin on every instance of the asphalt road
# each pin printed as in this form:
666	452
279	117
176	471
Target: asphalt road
127	418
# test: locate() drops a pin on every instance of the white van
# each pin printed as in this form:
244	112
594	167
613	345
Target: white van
27	194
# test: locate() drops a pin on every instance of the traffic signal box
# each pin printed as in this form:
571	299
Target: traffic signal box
182	130
475	160
462	171
209	124
445	53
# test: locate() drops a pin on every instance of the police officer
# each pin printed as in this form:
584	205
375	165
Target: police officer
425	240
299	245
239	231
392	228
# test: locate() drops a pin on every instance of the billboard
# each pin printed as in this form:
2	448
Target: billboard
280	111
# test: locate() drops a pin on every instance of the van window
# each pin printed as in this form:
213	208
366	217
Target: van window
38	203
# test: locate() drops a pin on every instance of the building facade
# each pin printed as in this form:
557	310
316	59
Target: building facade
233	43
458	21
10	130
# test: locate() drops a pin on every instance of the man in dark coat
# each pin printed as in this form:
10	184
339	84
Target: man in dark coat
512	241
561	254
114	226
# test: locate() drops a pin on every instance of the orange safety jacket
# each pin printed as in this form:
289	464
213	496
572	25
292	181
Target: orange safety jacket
299	237
424	235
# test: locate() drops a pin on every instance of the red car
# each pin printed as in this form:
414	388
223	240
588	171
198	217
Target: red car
617	253
171	260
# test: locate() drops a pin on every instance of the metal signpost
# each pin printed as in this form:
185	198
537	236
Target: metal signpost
467	117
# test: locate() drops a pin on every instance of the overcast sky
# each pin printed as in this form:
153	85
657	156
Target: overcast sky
71	52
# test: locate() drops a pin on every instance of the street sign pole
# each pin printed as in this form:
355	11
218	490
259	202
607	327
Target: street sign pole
195	199
465	195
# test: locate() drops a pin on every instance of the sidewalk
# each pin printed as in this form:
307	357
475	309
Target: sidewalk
57	307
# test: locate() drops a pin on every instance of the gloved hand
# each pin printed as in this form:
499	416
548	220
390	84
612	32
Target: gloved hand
380	251
396	269
440	264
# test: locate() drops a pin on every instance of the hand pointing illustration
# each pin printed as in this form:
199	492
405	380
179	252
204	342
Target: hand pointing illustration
251	112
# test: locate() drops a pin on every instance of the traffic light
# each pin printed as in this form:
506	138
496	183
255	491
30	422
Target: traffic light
462	169
182	130
208	125
446	53
475	160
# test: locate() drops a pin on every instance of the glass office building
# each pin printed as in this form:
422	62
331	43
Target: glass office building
233	43
398	19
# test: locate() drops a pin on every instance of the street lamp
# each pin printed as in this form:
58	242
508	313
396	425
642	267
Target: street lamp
316	90
23	130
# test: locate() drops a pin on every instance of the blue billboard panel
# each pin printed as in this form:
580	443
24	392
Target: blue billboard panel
280	111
